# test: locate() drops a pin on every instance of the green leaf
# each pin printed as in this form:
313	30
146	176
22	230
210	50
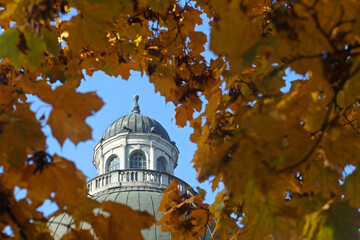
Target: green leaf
50	39
9	46
339	221
342	220
36	47
273	84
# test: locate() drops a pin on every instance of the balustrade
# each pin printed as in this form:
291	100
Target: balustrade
135	177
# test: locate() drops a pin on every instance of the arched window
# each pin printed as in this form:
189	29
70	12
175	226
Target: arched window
138	160
113	164
161	164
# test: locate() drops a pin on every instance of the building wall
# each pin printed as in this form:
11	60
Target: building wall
124	144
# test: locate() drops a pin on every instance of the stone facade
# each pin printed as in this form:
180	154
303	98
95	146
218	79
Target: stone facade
124	144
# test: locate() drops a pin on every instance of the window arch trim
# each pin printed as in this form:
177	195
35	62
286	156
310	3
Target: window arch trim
137	160
113	163
161	164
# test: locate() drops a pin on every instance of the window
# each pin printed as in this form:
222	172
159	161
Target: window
113	164
161	164
138	160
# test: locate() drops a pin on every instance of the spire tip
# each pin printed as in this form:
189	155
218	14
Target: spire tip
136	107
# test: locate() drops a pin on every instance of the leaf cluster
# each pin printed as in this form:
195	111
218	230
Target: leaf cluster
281	154
185	216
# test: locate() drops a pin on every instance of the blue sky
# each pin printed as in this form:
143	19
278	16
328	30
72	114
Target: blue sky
117	95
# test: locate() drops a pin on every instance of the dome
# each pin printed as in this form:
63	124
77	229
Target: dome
136	123
141	198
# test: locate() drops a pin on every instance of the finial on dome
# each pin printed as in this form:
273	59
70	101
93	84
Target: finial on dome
136	107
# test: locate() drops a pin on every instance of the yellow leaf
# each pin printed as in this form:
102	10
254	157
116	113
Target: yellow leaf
164	82
89	29
242	38
128	222
182	115
335	222
351	188
70	109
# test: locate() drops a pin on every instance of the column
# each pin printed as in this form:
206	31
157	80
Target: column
122	156
152	156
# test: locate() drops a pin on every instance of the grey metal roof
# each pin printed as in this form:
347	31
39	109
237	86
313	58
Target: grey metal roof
138	198
137	123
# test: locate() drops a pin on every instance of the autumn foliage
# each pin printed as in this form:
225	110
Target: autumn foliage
284	156
184	215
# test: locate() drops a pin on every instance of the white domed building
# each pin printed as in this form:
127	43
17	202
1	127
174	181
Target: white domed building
135	161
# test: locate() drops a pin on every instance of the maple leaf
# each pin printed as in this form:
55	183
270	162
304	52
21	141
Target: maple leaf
158	5
197	42
10	38
131	221
274	150
70	109
78	234
350	188
20	135
337	221
185	216
88	29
